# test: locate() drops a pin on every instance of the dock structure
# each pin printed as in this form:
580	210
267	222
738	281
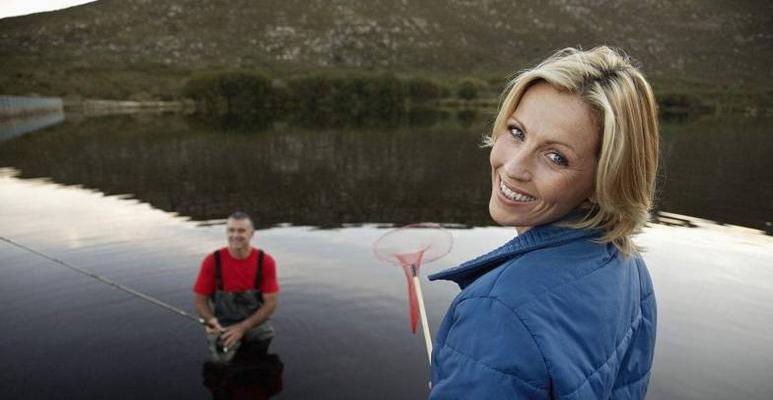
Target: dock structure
22	106
20	115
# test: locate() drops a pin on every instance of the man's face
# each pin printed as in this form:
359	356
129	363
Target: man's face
239	232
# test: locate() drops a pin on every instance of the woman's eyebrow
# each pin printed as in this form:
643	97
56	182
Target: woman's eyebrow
560	143
548	142
520	124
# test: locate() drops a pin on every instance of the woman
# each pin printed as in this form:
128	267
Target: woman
566	309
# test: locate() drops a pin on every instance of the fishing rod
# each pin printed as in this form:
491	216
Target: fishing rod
109	282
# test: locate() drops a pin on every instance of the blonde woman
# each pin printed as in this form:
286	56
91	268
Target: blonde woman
566	309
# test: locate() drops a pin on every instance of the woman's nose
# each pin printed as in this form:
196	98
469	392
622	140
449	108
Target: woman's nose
518	166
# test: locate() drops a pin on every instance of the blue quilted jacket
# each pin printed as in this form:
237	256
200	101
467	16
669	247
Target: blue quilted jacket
549	315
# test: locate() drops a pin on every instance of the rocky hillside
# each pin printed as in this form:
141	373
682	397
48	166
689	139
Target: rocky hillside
677	41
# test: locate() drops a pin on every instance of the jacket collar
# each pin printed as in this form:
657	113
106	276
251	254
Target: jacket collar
535	238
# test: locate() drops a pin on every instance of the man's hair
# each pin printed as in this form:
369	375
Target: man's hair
240	216
626	114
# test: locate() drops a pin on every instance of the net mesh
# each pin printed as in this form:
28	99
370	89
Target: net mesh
408	247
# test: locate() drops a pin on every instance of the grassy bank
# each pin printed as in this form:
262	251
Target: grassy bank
341	90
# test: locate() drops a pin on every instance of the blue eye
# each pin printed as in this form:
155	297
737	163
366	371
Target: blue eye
558	159
516	132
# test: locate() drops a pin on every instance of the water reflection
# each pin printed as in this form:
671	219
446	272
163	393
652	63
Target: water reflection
305	177
14	127
342	330
713	168
719	169
253	376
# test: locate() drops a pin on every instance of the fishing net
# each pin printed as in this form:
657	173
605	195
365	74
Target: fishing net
408	247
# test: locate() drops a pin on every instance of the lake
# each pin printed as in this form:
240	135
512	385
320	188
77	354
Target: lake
140	199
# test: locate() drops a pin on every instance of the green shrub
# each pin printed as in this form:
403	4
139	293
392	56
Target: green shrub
355	99
468	88
231	92
422	89
681	103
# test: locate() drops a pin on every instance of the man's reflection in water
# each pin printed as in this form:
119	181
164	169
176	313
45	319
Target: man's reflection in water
252	374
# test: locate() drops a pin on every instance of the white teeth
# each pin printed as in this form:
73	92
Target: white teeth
515	196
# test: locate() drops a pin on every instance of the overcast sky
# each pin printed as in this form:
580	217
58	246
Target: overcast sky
10	8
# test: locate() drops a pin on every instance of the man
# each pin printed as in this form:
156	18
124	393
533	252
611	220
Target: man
236	292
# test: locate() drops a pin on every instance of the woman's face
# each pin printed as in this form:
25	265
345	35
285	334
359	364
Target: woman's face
544	165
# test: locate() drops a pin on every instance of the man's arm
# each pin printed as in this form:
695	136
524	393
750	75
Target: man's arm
234	333
202	288
264	312
205	311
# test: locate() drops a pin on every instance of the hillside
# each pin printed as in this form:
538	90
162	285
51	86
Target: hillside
122	47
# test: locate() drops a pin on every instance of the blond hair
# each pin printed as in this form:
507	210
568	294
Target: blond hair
626	113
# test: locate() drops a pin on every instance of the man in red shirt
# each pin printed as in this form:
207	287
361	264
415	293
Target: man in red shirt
236	292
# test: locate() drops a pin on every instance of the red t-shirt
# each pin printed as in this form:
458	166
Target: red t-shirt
238	275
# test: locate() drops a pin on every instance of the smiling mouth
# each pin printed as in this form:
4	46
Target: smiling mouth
513	195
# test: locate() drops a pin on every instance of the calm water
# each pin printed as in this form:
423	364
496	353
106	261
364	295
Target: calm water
134	199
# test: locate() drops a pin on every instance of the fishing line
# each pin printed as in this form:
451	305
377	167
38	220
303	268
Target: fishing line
109	282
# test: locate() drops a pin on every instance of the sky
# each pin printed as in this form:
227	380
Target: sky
12	8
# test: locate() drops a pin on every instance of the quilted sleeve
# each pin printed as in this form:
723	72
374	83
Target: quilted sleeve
484	351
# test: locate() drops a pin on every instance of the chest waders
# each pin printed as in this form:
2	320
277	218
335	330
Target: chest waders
234	307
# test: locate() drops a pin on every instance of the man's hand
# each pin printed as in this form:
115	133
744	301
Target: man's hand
232	334
213	327
201	302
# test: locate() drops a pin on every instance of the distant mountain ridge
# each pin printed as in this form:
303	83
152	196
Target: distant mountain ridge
684	40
